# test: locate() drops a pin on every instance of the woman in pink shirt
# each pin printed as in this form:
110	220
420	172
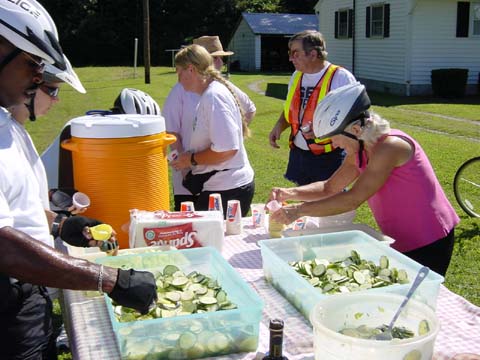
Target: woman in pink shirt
387	168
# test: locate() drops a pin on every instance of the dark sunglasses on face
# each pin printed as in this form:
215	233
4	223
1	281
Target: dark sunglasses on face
50	90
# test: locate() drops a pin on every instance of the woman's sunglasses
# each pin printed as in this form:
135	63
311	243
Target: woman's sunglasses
50	90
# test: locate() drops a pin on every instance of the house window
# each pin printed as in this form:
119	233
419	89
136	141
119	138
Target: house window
377	21
376	26
343	23
476	18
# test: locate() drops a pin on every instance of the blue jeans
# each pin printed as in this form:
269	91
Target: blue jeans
304	167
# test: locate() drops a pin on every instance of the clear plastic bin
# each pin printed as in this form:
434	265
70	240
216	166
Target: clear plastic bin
215	333
276	253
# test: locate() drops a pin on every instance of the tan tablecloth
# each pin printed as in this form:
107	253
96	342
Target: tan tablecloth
91	335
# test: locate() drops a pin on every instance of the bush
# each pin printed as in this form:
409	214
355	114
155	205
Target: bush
449	82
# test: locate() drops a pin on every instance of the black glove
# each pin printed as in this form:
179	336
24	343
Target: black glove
72	230
61	200
135	289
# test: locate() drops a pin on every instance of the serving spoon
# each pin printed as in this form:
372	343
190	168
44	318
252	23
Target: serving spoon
421	275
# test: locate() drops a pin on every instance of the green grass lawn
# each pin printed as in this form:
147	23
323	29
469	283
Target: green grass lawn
447	142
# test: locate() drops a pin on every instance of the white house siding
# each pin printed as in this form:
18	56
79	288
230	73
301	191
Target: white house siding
243	45
379	62
436	46
258	52
382	59
339	50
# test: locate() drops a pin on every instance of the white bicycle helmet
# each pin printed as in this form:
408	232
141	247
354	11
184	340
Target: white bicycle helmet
133	101
28	26
339	108
54	74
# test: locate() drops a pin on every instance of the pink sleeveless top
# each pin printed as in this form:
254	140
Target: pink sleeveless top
411	206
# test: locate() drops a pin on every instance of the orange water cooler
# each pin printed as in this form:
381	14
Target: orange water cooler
120	162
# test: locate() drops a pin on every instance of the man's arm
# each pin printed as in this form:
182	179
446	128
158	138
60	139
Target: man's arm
29	260
277	130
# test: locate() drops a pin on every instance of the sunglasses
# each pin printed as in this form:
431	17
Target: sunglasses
38	65
50	90
294	53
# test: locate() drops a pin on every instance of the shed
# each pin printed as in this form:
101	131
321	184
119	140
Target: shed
260	40
392	46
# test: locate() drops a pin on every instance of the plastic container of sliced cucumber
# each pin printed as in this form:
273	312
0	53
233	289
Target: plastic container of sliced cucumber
179	332
338	312
305	291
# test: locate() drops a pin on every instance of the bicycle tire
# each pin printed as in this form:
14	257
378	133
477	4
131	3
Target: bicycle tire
466	186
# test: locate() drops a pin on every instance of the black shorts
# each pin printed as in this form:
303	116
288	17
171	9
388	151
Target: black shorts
243	193
436	255
26	330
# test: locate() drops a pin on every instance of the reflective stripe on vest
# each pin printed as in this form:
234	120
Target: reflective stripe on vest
292	108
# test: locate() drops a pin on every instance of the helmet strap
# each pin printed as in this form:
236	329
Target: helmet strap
31	108
360	142
360	153
7	59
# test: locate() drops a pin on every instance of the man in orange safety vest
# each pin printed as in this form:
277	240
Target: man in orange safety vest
310	159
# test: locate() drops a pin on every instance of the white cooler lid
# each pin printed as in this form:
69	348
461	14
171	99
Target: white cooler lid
116	126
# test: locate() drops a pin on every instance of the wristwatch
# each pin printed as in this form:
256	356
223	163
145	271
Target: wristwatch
56	225
192	160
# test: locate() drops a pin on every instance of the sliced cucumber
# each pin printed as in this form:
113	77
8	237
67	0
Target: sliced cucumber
187	340
423	327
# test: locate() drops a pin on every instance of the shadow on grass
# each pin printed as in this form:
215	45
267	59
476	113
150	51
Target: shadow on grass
465	234
381	99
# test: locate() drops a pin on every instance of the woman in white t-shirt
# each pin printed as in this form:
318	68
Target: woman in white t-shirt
216	152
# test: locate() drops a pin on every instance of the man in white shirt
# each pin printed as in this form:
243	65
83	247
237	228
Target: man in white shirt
28	39
180	108
310	159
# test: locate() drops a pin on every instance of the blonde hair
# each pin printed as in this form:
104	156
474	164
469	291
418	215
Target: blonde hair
202	61
374	128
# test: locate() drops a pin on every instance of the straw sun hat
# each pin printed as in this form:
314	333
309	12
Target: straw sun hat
213	45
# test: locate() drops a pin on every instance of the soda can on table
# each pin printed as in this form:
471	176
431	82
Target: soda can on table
187	206
234	218
215	202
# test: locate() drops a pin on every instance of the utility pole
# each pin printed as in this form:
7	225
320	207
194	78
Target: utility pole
146	39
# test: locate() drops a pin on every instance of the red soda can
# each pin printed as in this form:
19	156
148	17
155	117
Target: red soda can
234	217
215	203
187	206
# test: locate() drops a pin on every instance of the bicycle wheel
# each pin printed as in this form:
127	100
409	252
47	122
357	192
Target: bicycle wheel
466	186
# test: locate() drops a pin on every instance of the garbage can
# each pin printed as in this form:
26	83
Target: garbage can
120	162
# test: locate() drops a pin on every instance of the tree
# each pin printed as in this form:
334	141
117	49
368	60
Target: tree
259	6
102	32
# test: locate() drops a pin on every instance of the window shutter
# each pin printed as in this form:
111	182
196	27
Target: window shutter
350	23
336	24
386	20
367	23
463	18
